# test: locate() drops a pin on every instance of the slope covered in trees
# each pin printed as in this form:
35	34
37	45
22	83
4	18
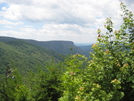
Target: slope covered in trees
87	49
24	55
61	47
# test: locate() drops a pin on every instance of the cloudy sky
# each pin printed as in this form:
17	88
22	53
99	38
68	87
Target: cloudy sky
72	20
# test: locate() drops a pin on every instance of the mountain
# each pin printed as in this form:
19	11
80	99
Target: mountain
24	55
62	47
86	49
83	44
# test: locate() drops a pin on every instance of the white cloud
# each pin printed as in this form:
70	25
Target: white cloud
55	32
1	1
13	12
8	26
28	26
61	29
75	20
11	33
59	11
26	2
73	32
4	8
5	22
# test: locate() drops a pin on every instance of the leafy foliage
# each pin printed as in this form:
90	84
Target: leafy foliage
109	75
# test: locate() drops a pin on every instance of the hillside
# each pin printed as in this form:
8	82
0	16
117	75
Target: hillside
87	48
62	47
24	55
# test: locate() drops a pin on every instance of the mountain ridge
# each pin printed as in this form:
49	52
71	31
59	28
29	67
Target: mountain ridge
29	53
62	47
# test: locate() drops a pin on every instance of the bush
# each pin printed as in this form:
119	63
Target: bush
110	73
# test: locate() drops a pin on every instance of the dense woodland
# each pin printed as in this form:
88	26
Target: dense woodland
29	72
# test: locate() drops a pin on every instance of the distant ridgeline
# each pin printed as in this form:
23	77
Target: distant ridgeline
62	47
30	53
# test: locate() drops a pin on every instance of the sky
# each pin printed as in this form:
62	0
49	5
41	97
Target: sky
69	20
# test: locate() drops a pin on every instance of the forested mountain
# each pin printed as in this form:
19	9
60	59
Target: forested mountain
62	47
24	55
7	39
86	49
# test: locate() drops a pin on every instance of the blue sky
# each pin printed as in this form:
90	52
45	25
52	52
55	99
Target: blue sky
72	20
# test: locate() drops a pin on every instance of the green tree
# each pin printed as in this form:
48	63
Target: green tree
44	83
110	73
74	67
12	87
113	61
